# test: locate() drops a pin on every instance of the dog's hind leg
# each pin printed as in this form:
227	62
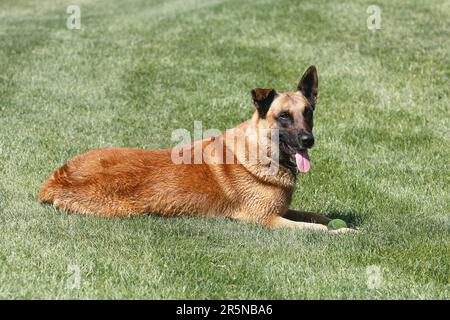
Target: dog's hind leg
304	216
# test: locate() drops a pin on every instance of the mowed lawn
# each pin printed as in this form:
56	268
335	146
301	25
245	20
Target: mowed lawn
137	70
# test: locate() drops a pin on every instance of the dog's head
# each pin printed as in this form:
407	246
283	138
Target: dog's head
292	114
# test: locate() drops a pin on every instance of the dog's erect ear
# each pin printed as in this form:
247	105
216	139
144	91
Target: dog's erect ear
308	85
262	99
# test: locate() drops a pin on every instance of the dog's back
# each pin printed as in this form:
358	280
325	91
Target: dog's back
125	181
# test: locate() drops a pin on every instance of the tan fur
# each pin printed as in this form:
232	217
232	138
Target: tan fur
123	181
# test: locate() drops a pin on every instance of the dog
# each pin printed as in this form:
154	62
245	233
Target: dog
118	182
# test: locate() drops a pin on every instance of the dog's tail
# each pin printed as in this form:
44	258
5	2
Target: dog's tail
54	185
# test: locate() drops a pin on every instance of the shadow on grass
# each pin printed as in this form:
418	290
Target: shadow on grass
352	218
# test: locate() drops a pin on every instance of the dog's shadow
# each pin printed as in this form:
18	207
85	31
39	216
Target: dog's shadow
352	218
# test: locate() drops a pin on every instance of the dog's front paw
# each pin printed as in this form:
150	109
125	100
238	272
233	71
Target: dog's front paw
344	230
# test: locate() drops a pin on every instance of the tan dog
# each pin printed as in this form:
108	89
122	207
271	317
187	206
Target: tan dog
123	181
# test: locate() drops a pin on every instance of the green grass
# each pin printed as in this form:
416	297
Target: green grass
139	69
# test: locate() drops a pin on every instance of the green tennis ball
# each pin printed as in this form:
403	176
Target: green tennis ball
337	224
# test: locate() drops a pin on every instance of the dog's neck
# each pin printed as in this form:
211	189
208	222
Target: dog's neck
268	171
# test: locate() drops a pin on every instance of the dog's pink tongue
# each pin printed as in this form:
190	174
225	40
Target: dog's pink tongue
302	160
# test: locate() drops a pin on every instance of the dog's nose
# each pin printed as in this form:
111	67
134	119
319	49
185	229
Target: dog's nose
307	140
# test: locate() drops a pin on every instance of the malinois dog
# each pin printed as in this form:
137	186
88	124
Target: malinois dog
124	181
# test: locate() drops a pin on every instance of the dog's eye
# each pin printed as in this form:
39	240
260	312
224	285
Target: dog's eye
284	116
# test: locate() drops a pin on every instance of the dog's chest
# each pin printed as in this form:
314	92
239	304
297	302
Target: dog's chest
268	199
